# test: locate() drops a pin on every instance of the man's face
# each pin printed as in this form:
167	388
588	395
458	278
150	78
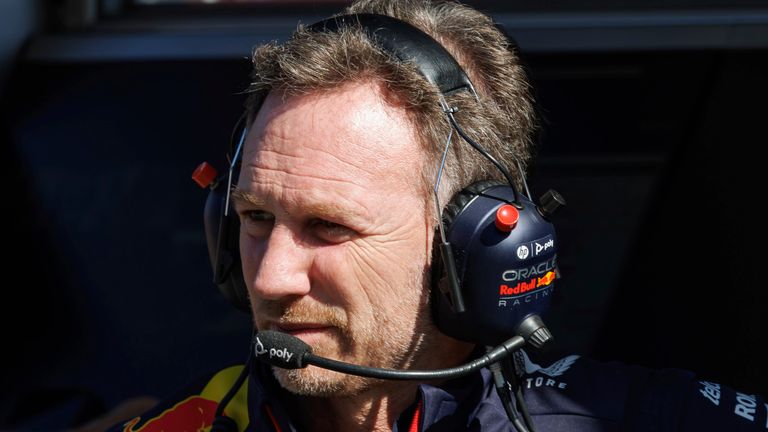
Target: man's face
335	236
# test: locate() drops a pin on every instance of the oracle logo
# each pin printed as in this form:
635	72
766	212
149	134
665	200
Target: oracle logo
513	275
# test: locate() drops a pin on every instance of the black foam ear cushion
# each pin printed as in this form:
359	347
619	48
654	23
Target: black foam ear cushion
222	237
463	197
230	280
235	290
458	202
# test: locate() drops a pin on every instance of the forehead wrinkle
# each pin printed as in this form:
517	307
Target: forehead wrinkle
382	170
350	135
296	171
266	154
355	136
276	150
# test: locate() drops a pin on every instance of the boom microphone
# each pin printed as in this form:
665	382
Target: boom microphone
281	349
289	352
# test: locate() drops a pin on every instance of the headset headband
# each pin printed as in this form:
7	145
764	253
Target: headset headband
409	45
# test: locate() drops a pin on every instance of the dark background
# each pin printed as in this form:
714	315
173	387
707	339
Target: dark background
654	121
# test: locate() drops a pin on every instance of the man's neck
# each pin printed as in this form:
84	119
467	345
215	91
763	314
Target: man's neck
377	408
374	410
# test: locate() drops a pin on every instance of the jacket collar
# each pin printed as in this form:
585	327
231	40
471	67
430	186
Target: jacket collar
456	401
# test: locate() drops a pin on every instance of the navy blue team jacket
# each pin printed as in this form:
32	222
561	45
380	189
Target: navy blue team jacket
572	394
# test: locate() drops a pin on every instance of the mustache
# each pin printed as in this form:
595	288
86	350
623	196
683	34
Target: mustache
300	311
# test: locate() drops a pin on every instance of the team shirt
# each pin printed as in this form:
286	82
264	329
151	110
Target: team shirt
573	394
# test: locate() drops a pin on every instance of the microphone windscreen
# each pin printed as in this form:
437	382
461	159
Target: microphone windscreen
280	349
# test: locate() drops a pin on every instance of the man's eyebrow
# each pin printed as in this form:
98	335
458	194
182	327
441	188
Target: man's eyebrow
242	196
325	210
330	211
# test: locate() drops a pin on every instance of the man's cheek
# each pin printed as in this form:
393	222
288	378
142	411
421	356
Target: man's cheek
375	268
247	256
251	253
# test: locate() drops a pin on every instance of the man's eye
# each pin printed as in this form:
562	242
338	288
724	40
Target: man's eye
332	232
258	216
256	222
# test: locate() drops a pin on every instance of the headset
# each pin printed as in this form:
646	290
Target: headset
497	248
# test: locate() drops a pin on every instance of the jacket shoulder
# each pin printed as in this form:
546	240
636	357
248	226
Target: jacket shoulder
194	407
587	395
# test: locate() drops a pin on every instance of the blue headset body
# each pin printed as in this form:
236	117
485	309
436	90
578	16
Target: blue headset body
487	277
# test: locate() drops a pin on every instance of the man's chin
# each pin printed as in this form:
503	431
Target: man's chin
313	381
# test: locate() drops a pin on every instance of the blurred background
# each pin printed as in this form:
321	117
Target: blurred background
654	117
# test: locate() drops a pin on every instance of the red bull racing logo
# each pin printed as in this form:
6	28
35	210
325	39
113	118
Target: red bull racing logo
193	414
534	283
525	287
197	412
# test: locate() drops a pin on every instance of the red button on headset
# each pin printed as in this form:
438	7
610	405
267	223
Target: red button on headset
506	217
204	174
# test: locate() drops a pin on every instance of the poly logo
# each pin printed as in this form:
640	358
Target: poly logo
259	348
535	248
542	247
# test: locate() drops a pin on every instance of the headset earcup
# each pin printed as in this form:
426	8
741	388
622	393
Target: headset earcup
462	198
501	283
222	237
450	211
441	304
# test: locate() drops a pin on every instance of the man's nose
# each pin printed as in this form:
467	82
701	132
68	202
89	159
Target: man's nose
284	266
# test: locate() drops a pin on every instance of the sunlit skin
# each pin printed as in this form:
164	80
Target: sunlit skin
335	241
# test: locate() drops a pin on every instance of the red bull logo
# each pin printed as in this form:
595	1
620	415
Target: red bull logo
527	286
546	279
194	414
197	412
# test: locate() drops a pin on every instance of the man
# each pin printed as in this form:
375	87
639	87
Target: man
337	226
